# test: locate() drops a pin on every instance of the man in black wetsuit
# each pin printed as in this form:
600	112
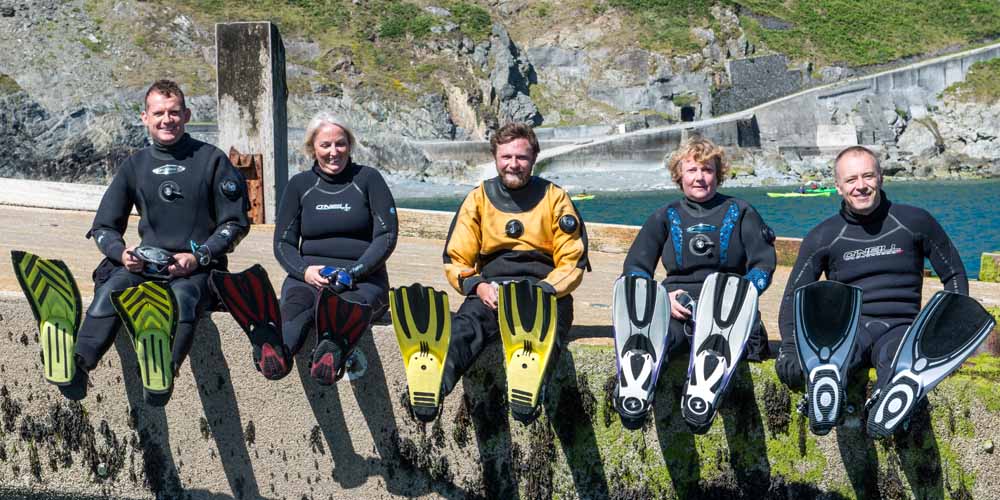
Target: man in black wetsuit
878	246
191	202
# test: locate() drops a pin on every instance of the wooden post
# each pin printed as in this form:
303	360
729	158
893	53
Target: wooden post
250	62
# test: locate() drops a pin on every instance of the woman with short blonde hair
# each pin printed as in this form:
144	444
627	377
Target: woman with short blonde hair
702	151
701	233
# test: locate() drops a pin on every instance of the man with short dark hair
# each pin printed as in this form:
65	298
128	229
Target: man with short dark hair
879	247
192	206
512	227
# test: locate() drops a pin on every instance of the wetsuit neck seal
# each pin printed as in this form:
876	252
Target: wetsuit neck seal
343	177
176	151
700	208
516	200
878	214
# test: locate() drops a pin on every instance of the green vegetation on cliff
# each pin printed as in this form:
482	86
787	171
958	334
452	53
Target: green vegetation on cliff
8	85
982	84
863	33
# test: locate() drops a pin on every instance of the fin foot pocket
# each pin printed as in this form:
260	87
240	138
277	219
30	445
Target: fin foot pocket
149	313
340	323
894	405
272	362
527	315
703	391
55	302
326	360
421	319
825	395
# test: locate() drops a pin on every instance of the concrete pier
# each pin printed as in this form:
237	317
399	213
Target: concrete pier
229	433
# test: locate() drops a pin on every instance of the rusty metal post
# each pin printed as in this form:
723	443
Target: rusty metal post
252	168
250	62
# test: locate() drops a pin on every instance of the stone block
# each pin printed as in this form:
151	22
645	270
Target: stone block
252	115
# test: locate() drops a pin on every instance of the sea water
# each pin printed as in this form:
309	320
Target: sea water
969	211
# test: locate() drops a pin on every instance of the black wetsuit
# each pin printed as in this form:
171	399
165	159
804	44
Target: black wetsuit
693	240
186	192
347	220
883	254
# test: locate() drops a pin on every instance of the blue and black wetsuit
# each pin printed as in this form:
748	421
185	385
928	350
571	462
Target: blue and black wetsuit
693	240
347	220
882	253
185	192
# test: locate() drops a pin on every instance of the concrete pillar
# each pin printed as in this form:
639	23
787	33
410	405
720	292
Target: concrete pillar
250	64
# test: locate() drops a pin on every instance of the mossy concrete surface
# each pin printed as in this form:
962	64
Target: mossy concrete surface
229	433
989	267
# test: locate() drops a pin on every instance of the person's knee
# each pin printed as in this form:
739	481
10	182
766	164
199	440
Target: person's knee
188	297
295	301
101	306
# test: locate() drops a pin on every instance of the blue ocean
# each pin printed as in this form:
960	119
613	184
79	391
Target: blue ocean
968	210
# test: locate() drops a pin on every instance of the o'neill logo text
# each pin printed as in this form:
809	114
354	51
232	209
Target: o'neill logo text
876	251
168	170
346	207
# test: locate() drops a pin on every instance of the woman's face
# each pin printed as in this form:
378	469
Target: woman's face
332	149
698	180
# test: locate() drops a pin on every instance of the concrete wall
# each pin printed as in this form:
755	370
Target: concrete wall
229	433
868	103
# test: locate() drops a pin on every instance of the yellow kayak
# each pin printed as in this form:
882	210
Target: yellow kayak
581	197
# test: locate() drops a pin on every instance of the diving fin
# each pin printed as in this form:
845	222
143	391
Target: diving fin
249	297
826	326
945	333
640	314
422	322
724	318
55	302
339	325
527	315
149	312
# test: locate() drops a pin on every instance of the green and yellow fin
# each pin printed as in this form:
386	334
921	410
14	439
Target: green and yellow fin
149	312
55	302
422	321
527	316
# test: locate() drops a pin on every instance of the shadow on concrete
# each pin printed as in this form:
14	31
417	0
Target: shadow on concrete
589	332
920	458
150	423
571	408
222	412
348	469
676	441
745	435
351	470
857	450
484	396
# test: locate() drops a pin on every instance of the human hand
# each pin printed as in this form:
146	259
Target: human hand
184	264
677	310
130	261
314	278
488	294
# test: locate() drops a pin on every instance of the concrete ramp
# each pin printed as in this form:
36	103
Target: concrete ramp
229	433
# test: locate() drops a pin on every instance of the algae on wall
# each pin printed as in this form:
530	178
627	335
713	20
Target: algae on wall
759	446
220	435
